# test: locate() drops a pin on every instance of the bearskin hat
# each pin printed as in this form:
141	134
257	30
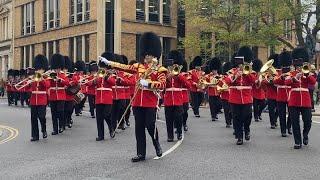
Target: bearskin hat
10	72
40	62
256	65
68	64
226	67
23	72
93	66
16	73
57	61
197	61
150	44
176	56
214	64
109	56
276	62
118	58
245	52
285	59
30	71
132	62
184	66
125	59
80	66
300	53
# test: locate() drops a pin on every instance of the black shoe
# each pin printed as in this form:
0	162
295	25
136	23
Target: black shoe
112	134
256	120
61	130
158	148
54	133
99	139
179	136
213	119
260	118
197	116
276	124
34	139
93	117
273	126
170	140
228	126
80	112
77	114
138	158
123	127
289	131
240	142
305	141
297	146
284	135
185	128
44	135
128	123
71	121
247	137
70	125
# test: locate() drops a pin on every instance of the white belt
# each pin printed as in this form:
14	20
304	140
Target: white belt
120	87
174	89
284	87
57	88
39	92
300	89
241	87
184	89
104	89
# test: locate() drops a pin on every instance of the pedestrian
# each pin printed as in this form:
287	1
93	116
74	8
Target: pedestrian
2	87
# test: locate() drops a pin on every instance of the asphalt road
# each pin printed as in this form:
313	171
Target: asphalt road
207	152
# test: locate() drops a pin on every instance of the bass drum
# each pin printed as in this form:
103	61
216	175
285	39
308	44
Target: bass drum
79	97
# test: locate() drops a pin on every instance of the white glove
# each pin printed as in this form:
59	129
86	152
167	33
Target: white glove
104	60
144	83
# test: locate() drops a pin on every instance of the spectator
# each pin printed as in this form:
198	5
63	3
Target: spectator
2	85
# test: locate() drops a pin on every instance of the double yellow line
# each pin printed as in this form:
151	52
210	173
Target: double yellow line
13	134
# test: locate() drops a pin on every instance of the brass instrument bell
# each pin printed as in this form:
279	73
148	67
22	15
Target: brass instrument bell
306	69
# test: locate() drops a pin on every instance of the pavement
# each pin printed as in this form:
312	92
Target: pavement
208	151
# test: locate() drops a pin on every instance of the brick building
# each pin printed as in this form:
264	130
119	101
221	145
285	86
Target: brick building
83	29
5	37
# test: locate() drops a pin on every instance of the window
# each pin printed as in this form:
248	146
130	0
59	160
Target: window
166	11
138	36
154	10
53	17
79	11
79	48
50	49
109	37
287	26
140	10
166	47
27	55
27	17
22	58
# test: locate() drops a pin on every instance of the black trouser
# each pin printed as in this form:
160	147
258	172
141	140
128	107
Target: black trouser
311	96
282	111
16	97
23	98
185	114
214	103
295	118
38	113
10	97
118	108
145	118
92	103
196	99
273	114
227	111
242	115
258	106
173	119
57	113
69	105
103	113
127	116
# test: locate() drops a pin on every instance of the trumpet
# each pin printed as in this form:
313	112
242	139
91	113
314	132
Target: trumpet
247	69
175	69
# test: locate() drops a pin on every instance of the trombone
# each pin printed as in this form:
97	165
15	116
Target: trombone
175	69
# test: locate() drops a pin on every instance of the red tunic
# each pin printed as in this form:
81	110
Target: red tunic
241	89
299	95
195	76
121	90
57	88
224	94
104	93
271	89
90	86
282	89
39	96
212	89
173	93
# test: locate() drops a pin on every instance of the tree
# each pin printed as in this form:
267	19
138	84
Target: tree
233	23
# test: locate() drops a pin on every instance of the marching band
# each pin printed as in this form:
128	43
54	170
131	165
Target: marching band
114	86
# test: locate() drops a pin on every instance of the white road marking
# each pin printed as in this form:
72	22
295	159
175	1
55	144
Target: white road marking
317	122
